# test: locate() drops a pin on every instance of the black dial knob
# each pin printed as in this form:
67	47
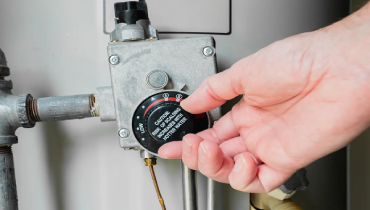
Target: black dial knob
160	119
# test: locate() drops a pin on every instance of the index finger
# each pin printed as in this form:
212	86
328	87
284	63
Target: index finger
215	91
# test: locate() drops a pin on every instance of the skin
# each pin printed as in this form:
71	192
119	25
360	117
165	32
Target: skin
303	98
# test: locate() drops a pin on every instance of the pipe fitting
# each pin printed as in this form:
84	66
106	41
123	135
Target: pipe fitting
6	85
23	111
267	202
4	71
105	104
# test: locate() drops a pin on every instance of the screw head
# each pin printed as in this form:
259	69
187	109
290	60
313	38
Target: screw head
209	51
124	133
114	59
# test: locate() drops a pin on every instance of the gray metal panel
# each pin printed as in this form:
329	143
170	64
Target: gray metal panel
182	59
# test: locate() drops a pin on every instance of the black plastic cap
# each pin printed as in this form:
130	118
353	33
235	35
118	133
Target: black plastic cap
298	181
131	11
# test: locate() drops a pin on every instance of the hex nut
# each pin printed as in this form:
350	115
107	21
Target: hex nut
6	85
150	161
4	71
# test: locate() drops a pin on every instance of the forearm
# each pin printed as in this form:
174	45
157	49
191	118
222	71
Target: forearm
347	40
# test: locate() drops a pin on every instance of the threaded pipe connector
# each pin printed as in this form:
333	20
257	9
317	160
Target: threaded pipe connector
33	111
6	150
94	107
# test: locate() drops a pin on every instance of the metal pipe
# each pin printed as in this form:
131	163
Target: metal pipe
62	108
189	188
210	194
8	187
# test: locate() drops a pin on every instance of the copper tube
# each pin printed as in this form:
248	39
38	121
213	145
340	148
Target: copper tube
150	162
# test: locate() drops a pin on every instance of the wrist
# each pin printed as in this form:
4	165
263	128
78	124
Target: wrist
347	40
358	18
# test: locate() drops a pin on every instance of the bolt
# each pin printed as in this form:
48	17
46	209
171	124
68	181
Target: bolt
209	51
124	133
114	59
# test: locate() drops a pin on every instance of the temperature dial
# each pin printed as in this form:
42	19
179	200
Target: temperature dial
160	119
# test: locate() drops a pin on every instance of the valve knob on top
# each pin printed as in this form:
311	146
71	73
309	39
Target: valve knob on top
131	11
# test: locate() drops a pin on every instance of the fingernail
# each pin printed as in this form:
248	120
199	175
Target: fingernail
187	147
202	154
239	165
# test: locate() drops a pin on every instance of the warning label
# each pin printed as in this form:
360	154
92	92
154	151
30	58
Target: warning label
168	123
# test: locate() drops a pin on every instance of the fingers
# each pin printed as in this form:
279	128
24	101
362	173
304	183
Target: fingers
233	147
212	163
172	150
223	130
197	154
190	145
214	92
244	171
246	176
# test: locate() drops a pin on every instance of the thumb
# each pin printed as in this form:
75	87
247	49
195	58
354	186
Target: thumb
215	91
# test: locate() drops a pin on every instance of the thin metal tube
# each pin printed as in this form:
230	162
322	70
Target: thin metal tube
210	194
189	188
161	201
104	18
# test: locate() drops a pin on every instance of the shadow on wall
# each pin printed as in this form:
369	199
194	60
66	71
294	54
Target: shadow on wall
55	146
56	143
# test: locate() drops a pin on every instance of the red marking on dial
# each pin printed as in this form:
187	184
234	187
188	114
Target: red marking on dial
160	100
203	115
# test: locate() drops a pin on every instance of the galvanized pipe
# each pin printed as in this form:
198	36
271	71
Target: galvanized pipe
189	188
62	108
8	187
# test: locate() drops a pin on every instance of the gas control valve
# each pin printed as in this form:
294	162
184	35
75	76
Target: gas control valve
159	119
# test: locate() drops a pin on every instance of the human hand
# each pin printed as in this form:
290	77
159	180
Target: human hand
303	98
